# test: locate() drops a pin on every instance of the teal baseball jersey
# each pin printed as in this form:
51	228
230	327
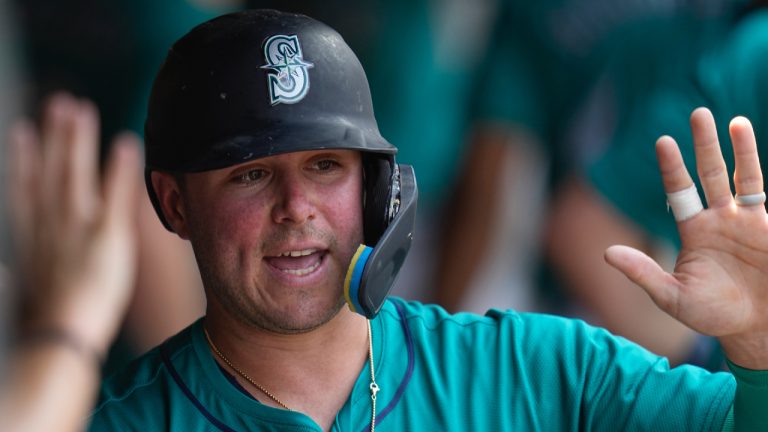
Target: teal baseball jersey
504	371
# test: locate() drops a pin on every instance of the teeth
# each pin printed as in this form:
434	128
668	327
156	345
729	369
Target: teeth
300	253
304	271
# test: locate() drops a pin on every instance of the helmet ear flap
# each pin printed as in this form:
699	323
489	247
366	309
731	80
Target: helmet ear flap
377	188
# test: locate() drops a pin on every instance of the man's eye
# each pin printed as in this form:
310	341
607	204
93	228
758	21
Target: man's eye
251	176
326	165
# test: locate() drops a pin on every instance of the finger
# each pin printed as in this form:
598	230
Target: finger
674	174
709	159
24	162
121	182
682	196
747	176
56	128
645	272
82	161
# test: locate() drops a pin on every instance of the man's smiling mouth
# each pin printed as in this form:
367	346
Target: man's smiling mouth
297	262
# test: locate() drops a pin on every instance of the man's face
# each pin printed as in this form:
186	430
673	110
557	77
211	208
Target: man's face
273	237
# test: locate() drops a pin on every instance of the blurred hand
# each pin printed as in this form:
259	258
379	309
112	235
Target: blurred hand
74	229
719	282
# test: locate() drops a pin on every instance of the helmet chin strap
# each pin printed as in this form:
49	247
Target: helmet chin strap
373	270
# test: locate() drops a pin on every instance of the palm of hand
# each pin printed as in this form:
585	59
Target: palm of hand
718	284
720	277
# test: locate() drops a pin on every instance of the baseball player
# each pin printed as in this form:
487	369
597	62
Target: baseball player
262	150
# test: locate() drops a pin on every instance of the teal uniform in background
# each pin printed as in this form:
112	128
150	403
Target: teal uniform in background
728	77
545	73
505	371
546	57
422	68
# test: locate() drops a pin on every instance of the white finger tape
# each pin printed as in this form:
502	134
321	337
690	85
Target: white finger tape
685	203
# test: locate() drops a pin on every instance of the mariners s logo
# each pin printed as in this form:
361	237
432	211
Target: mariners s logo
290	81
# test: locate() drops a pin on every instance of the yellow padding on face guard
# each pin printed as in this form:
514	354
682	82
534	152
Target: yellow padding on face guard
354	276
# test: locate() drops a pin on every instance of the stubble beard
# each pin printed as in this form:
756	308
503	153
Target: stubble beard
238	301
249	313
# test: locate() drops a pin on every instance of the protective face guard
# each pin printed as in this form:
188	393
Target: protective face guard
373	271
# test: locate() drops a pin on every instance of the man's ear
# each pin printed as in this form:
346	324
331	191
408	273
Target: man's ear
169	196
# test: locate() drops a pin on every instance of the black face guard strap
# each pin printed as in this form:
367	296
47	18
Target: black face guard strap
373	271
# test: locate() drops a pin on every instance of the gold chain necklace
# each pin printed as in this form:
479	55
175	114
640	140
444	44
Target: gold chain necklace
373	386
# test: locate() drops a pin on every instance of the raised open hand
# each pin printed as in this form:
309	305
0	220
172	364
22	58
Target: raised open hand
74	232
719	286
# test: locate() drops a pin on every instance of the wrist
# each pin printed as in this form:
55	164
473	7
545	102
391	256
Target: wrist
747	352
87	319
60	338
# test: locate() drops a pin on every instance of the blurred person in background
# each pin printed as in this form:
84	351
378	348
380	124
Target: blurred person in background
613	198
541	94
108	52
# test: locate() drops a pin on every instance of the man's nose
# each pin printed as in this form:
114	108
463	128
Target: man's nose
293	204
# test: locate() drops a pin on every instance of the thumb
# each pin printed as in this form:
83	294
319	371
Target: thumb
645	272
